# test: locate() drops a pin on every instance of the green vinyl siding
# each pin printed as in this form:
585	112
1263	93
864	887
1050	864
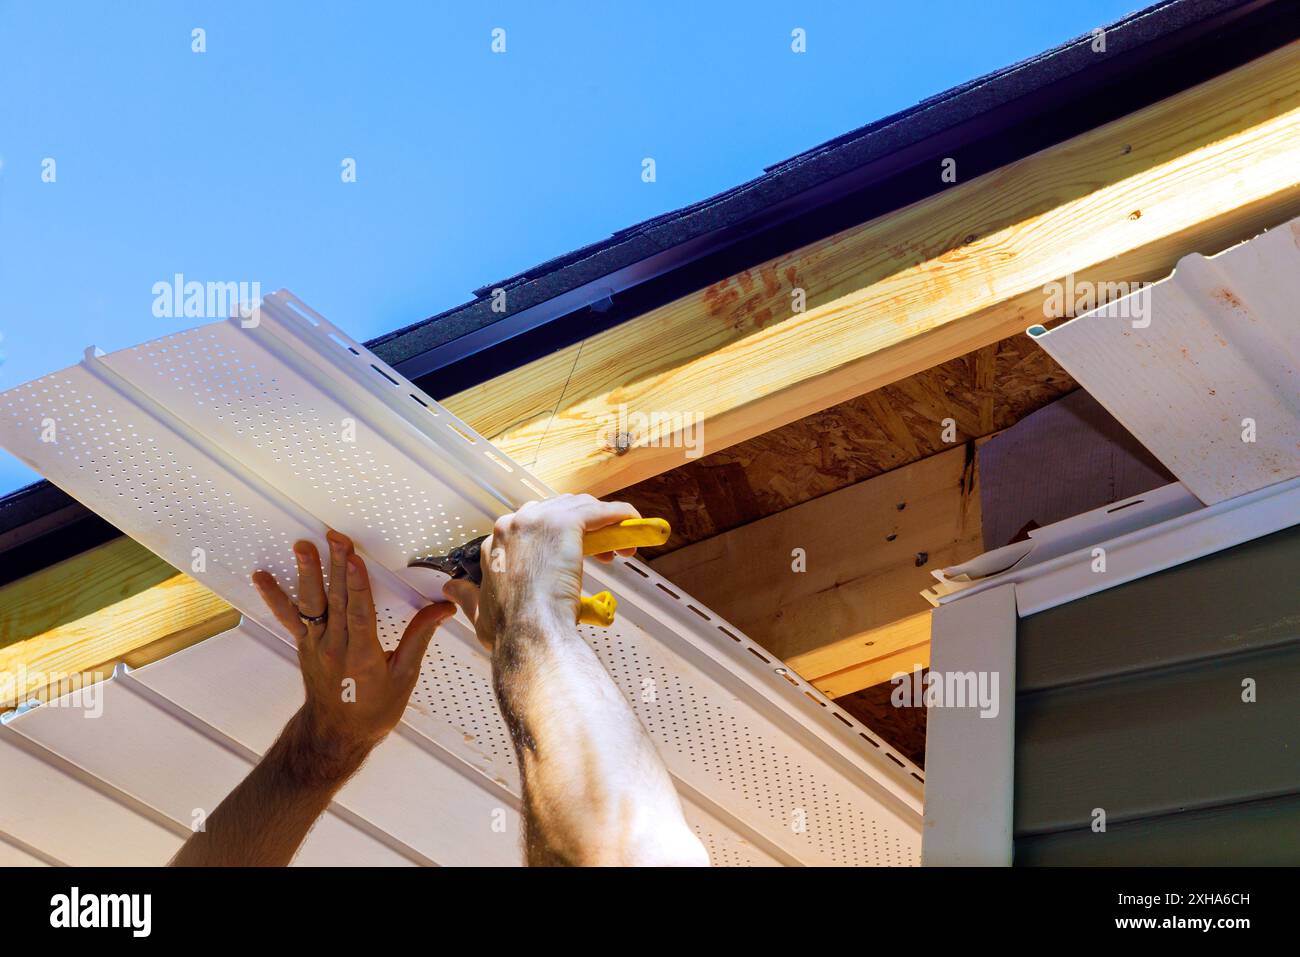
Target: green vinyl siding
1130	700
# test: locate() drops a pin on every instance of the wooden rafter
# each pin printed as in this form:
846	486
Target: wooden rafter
76	620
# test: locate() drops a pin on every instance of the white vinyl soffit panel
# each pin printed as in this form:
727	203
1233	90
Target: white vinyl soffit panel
239	440
1203	367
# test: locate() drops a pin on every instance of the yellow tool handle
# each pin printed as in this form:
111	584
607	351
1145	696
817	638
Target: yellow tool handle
634	533
597	610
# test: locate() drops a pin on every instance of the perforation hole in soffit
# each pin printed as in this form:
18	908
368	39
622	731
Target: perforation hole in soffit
700	728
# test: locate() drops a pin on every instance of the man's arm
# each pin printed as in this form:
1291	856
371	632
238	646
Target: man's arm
595	789
264	820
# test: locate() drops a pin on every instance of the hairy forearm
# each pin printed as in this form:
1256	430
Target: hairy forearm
265	819
595	789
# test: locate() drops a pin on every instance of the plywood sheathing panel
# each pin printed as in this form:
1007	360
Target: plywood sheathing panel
902	725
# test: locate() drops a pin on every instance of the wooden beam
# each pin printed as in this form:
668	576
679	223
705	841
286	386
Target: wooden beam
115	603
1195	172
77	587
854	616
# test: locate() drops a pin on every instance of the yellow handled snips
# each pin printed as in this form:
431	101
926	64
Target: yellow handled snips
465	560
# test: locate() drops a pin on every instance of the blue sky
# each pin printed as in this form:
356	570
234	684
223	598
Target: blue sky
470	166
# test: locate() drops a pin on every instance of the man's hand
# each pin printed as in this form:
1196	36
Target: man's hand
595	789
356	693
532	564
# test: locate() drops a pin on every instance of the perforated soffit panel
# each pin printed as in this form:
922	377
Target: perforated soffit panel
230	439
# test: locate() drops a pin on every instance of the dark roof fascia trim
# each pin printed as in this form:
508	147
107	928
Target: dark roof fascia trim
41	524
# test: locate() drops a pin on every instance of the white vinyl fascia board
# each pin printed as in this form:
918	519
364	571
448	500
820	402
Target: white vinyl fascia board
970	749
